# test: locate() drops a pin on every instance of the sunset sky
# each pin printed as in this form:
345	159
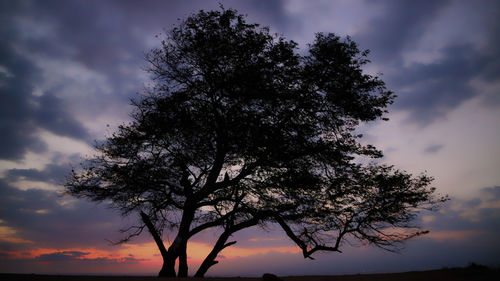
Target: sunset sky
68	70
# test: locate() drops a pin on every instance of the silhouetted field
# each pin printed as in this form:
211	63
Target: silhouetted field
459	274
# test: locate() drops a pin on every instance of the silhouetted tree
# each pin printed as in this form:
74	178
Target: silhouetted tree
239	130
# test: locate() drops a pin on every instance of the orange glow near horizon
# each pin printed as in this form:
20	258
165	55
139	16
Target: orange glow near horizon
454	235
146	254
144	258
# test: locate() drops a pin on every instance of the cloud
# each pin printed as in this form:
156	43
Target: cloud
52	221
430	90
52	173
62	70
120	31
399	27
461	235
23	113
447	67
82	257
463	218
493	193
482	210
432	149
72	261
272	13
61	256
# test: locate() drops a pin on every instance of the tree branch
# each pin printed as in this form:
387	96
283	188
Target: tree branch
155	234
302	245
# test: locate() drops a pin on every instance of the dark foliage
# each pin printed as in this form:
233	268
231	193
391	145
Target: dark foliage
240	130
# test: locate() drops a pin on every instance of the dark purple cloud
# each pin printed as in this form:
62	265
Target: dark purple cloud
440	86
108	38
24	114
106	34
433	148
400	26
428	91
51	173
81	257
60	262
61	256
478	213
41	216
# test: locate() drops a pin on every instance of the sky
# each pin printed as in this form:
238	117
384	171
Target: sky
68	70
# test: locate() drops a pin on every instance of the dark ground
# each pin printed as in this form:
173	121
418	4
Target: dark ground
471	273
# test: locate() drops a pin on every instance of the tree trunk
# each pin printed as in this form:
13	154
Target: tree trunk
183	266
183	236
168	268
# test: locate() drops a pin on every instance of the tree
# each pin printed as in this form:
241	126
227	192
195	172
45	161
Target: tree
241	130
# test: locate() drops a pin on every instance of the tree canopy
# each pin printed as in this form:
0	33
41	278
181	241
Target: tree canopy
239	129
